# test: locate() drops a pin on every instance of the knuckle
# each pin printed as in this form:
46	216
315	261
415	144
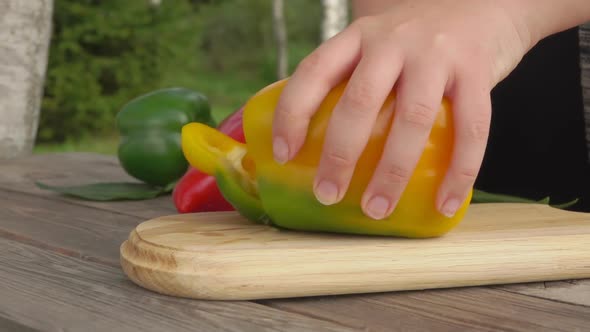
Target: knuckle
360	22
467	174
286	113
418	115
444	46
360	98
311	64
340	158
407	30
394	173
478	130
401	29
440	40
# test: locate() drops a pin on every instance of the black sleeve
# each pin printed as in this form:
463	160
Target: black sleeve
537	144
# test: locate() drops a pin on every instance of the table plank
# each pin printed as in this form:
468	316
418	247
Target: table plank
74	169
568	291
476	308
64	227
70	230
48	291
96	235
7	325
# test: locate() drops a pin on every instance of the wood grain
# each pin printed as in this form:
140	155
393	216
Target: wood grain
75	169
7	325
53	225
225	257
67	228
39	211
466	309
52	292
568	291
59	229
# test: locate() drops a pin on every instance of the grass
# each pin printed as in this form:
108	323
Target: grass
103	145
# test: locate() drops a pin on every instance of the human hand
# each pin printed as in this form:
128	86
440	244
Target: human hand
425	49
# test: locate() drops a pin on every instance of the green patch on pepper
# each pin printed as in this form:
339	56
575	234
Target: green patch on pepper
150	127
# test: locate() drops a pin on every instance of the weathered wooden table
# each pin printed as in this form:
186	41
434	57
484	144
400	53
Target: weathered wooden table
59	271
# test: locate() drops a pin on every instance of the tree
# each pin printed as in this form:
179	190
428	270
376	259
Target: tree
25	29
335	17
280	31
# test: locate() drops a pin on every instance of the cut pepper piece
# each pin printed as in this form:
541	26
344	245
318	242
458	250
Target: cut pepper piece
219	155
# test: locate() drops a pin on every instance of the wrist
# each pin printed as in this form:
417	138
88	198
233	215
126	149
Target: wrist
535	20
525	25
370	7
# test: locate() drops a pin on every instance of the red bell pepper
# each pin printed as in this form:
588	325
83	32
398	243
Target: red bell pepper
197	191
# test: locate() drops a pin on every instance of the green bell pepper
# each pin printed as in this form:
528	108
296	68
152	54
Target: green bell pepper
150	126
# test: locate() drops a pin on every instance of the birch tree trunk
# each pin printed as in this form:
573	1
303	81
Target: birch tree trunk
25	29
280	30
335	17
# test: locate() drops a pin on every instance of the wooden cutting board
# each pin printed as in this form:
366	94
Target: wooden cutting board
221	256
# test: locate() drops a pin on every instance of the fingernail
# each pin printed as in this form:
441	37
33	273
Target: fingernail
280	150
326	192
377	207
450	207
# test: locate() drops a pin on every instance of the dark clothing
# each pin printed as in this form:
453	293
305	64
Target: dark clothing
537	145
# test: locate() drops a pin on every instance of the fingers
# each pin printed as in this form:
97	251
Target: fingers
352	121
419	94
315	76
472	117
423	83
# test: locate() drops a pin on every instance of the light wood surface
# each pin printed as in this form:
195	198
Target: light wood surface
222	256
61	271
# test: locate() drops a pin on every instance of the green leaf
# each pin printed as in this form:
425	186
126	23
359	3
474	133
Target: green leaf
169	187
110	191
480	196
565	205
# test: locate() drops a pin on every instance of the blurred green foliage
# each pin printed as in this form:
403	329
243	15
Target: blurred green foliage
106	52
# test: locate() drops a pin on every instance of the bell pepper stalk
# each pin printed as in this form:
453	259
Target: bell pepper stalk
197	191
149	148
265	191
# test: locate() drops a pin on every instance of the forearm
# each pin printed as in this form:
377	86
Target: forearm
543	18
536	19
370	7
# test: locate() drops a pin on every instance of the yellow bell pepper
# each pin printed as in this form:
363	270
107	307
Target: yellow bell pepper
282	195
